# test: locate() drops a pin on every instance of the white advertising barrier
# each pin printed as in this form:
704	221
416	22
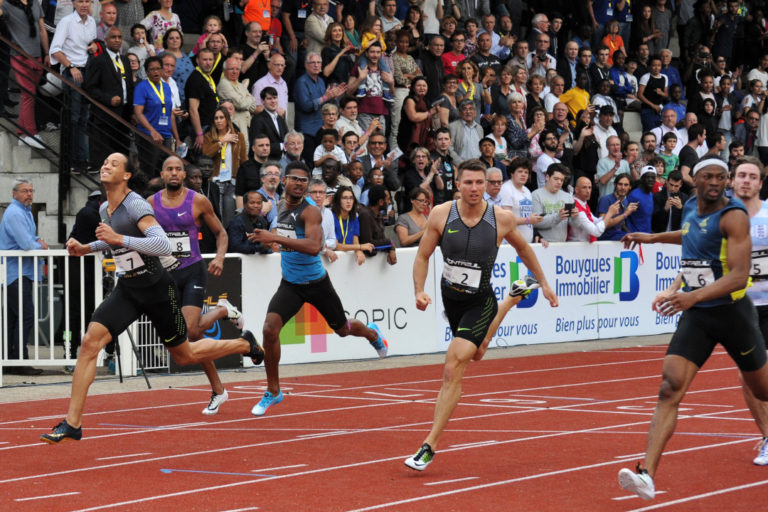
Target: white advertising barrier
604	291
372	292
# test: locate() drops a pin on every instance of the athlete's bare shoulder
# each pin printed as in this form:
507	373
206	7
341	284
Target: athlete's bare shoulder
438	216
504	218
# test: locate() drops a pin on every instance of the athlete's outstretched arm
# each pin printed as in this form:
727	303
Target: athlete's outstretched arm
209	218
313	232
516	240
667	237
427	246
154	242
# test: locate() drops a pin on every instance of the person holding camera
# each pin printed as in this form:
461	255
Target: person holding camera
668	204
554	204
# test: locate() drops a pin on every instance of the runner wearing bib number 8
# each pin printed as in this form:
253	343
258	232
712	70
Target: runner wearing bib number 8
180	211
128	222
469	232
715	238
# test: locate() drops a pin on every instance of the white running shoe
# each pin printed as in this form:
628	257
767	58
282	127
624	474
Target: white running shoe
233	314
421	459
32	142
638	482
762	456
216	401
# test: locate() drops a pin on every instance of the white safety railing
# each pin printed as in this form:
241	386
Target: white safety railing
55	297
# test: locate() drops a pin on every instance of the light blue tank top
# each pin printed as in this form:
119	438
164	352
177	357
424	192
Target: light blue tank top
297	267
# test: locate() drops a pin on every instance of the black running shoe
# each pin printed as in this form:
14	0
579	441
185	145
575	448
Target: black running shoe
256	353
62	432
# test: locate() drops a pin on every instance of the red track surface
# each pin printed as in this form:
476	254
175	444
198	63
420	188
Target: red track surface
536	433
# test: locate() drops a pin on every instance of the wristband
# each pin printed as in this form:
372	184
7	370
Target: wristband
200	134
527	220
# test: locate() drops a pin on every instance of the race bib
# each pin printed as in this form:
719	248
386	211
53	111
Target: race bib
759	268
287	233
463	277
698	273
128	262
180	244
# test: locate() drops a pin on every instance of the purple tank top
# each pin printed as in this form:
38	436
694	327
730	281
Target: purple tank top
179	224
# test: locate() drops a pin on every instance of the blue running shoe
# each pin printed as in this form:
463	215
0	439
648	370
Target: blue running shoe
266	401
381	345
62	432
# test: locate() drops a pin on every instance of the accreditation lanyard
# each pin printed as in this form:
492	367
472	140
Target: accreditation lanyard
209	80
160	93
120	66
469	90
344	231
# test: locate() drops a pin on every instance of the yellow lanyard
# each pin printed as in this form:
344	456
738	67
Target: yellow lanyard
218	59
224	156
344	231
209	80
120	66
470	92
160	93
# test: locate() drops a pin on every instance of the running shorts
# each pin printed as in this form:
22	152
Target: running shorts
470	318
289	298
190	282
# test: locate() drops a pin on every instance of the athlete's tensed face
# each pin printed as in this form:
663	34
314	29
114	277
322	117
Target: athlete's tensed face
746	181
710	183
471	185
113	170
173	173
295	183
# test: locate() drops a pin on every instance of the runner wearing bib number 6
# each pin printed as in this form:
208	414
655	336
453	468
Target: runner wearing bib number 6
711	294
130	230
469	232
180	212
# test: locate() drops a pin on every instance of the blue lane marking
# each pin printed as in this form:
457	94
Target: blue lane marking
169	471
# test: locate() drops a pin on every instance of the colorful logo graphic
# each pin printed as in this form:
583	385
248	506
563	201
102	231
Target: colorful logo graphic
308	323
625	281
516	270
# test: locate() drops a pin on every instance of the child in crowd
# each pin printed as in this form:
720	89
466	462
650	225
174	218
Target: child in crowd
613	40
354	171
660	166
211	25
142	47
328	148
371	31
675	95
671	160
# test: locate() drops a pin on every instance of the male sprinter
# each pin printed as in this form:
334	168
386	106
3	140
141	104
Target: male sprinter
746	181
716	249
180	211
129	230
468	298
300	235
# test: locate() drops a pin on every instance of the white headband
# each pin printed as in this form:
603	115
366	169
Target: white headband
707	162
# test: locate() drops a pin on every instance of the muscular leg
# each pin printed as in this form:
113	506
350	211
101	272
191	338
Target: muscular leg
460	351
208	349
357	328
96	337
271	332
197	324
504	306
758	408
677	375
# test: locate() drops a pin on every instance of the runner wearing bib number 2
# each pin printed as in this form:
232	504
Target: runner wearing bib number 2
469	232
716	247
129	229
180	212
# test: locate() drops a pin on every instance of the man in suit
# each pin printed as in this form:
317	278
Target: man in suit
270	123
377	144
746	132
105	80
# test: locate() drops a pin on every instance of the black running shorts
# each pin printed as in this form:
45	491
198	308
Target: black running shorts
735	326
159	302
470	317
289	298
190	282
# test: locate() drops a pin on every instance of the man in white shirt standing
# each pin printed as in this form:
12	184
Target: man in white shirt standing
585	226
611	165
669	124
516	197
548	142
69	48
604	129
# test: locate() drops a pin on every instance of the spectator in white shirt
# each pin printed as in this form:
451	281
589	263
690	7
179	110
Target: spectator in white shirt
604	129
611	165
585	226
516	197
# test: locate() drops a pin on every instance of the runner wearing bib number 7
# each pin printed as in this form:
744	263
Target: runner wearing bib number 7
716	261
469	232
180	211
144	287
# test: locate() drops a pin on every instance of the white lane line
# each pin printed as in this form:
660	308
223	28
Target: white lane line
47	496
241	509
125	456
633	496
700	496
467	445
264	470
453	481
390	395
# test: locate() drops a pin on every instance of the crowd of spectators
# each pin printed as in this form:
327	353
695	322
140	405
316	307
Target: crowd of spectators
389	96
